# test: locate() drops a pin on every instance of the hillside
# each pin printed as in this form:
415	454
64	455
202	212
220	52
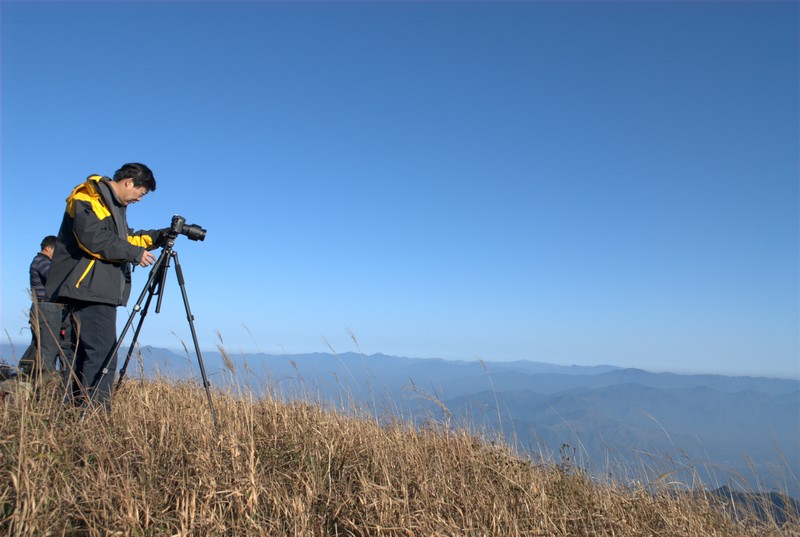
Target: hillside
156	466
723	430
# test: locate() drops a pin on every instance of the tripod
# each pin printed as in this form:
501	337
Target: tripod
155	286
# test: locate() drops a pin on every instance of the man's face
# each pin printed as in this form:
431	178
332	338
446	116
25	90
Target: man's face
129	193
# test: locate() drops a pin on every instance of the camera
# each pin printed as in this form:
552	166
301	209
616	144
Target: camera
192	231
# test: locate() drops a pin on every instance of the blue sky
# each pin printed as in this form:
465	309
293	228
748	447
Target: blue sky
576	183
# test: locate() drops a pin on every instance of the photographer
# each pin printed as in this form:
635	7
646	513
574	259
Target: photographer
91	270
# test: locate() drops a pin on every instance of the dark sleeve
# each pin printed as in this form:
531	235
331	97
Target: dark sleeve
96	238
40	268
44	268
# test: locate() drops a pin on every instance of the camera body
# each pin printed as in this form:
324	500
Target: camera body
192	231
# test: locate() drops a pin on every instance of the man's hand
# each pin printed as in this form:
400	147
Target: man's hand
147	259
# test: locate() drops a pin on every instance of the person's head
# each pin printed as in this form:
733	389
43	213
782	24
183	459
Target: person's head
48	245
132	181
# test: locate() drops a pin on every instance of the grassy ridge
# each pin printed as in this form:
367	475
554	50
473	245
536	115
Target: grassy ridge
156	466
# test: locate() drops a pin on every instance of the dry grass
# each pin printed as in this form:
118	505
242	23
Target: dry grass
156	466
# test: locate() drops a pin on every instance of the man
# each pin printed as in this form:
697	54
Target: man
40	358
91	271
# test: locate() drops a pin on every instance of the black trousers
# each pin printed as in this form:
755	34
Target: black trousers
94	334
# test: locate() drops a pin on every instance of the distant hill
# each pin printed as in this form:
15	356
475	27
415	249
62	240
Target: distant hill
766	505
726	431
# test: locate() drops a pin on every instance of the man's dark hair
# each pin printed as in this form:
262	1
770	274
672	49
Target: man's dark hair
141	175
50	240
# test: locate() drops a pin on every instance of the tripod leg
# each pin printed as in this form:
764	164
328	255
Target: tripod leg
135	338
148	289
157	287
190	318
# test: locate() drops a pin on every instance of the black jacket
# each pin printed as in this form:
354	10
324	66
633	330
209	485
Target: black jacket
95	248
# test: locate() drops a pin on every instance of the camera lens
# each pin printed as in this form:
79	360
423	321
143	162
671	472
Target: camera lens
194	232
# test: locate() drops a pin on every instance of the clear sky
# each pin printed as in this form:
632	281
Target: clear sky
576	183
